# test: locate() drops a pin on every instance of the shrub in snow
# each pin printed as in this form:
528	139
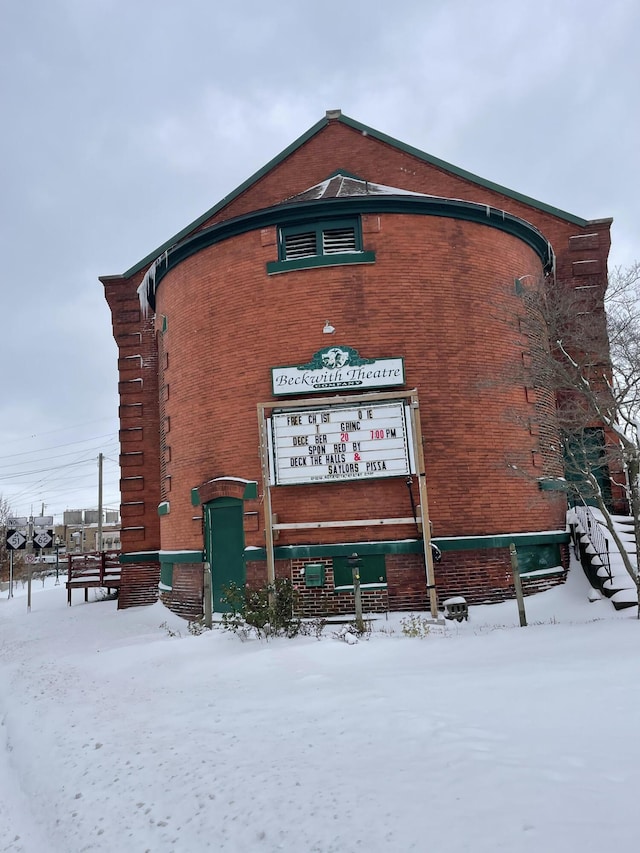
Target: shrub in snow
266	612
415	625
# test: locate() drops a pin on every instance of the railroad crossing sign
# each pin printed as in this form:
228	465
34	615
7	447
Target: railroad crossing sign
16	540
43	539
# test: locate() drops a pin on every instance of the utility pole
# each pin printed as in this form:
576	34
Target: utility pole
99	543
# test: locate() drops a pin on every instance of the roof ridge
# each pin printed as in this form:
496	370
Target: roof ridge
337	116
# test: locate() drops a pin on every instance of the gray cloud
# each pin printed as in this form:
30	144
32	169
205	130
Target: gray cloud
125	121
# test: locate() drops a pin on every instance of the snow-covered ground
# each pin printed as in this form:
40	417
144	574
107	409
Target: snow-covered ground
481	736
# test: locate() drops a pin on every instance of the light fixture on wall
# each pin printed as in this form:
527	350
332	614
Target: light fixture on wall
328	329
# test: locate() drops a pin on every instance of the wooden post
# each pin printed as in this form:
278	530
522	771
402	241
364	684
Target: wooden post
357	592
418	453
517	583
206	588
266	502
99	542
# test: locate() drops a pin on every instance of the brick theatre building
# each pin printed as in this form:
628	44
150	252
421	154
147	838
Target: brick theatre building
328	362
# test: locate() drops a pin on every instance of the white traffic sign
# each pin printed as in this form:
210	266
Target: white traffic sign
43	539
16	539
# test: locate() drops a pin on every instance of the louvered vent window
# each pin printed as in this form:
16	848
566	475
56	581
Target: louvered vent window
336	240
329	237
300	245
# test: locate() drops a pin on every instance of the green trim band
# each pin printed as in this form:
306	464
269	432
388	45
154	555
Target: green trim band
310	211
181	556
502	540
554	484
408	546
140	557
275	267
163	557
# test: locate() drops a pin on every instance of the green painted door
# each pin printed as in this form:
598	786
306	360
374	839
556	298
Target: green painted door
224	537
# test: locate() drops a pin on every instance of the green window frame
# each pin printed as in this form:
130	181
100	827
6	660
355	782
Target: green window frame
328	237
326	242
373	571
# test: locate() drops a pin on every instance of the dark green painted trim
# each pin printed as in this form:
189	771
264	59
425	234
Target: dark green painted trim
462	173
476	543
274	267
310	211
344	173
140	557
311	552
407	546
166	575
164	508
250	491
181	557
317	228
297	143
554	485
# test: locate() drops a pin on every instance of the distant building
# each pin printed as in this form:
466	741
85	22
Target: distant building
302	344
78	534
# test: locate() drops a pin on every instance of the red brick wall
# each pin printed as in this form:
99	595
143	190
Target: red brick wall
440	294
482	577
185	597
139	417
223	310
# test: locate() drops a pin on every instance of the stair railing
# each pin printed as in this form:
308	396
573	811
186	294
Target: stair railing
593	530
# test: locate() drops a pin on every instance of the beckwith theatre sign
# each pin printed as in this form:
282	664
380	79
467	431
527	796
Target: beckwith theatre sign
337	368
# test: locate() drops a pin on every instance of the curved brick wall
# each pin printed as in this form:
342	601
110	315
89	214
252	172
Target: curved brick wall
441	294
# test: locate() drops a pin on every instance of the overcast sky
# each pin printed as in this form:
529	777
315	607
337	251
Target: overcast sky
124	120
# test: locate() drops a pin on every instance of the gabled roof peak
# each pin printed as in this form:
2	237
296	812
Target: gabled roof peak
336	116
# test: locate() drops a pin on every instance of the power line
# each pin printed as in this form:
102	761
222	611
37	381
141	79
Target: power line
111	435
61	429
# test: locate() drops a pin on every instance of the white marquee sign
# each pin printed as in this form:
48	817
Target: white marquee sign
341	443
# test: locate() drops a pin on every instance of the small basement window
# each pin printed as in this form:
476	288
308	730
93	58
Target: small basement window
325	243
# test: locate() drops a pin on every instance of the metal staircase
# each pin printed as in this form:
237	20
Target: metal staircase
599	555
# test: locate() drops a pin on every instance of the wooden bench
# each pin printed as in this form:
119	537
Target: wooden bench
97	570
